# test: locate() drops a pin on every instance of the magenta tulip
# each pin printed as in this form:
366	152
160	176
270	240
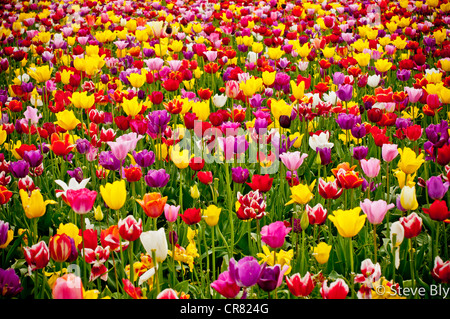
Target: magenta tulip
274	234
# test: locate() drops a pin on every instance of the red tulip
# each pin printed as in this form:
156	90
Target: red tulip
263	183
329	190
205	177
438	210
129	228
337	290
191	216
441	270
412	224
300	287
37	256
60	247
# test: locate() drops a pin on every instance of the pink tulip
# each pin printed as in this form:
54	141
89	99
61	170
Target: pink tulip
171	212
293	160
389	152
81	200
68	286
375	210
274	234
167	293
371	167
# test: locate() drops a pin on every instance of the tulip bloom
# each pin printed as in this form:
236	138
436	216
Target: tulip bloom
317	215
155	240
9	283
412	224
171	212
129	228
348	222
271	277
293	160
37	256
226	286
81	200
438	210
251	205
322	252
246	272
301	194
389	152
263	183
69	286
409	163
337	290
329	190
436	187
153	204
60	247
34	205
191	216
300	287
114	194
371	167
441	270
375	210
274	234
408	198
211	215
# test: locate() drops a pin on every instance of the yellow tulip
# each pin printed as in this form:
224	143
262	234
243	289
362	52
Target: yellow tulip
268	77
275	53
282	257
34	205
180	158
67	120
298	91
9	238
257	47
201	109
321	252
383	65
92	50
176	46
304	50
440	36
328	52
408	198
194	192
3	136
298	141
251	86
301	194
444	95
98	213
114	194
404	179
279	108
363	59
82	100
41	74
137	80
211	215
348	222
445	64
131	107
409	163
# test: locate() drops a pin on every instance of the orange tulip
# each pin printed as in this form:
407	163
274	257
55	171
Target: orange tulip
153	204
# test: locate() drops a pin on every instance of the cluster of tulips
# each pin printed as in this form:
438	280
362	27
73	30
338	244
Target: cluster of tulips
239	149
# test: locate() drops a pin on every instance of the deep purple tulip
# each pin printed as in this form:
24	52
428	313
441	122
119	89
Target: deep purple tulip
77	173
436	187
347	121
437	134
9	283
345	92
19	169
157	178
246	272
144	158
360	152
157	121
107	160
325	155
34	157
239	175
358	131
272	277
403	75
82	145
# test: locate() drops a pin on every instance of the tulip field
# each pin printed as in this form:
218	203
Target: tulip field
194	149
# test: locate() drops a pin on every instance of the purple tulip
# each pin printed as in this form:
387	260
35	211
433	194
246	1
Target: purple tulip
261	125
77	173
245	272
338	78
345	92
144	158
34	157
239	175
436	187
82	145
347	121
157	121
19	169
9	283
157	178
360	152
272	277
403	75
325	155
107	160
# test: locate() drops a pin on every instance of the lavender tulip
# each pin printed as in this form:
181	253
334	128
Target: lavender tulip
436	187
157	178
246	272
